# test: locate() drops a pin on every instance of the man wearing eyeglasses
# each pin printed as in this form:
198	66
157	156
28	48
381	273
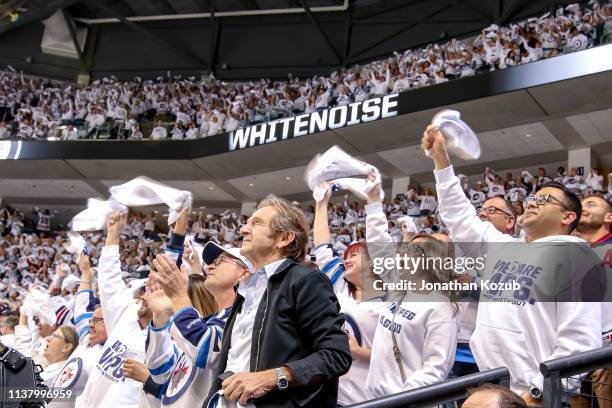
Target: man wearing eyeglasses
92	335
523	334
500	213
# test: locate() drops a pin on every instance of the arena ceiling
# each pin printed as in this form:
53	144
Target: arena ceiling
240	39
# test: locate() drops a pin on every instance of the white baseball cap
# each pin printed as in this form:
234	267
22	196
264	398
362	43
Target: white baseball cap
212	250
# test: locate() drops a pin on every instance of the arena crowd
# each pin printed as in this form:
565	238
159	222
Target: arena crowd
146	318
174	108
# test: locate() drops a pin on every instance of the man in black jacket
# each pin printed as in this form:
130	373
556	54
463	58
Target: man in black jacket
283	343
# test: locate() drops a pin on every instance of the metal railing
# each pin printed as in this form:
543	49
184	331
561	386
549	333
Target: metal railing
555	371
447	391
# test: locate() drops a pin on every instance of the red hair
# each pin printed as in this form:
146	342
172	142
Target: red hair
356	247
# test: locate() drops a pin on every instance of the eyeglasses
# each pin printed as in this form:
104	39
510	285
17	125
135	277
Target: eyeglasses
96	320
492	210
220	259
544	199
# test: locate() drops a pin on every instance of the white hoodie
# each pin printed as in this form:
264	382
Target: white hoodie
107	387
519	337
425	326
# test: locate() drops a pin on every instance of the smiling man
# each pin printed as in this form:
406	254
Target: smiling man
283	343
519	335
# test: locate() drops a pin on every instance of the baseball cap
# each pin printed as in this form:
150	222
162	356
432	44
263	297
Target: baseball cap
212	250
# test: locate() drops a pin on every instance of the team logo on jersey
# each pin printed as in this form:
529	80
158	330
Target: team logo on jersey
70	373
182	376
111	362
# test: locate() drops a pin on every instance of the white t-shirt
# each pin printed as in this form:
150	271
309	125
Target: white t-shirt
360	321
159	133
44	222
476	197
107	386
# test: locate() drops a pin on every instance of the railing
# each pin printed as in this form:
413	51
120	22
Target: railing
447	391
555	371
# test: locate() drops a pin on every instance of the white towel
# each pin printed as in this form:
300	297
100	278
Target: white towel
75	243
358	186
408	224
460	138
94	217
143	191
348	172
36	303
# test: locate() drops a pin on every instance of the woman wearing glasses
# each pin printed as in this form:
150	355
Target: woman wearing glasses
346	276
60	346
416	336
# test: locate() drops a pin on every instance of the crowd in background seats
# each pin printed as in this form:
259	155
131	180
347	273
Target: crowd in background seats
175	108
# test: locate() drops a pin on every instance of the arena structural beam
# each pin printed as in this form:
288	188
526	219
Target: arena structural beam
386	10
320	29
175	48
401	30
129	7
164	6
75	41
249	4
514	7
347	39
215	31
483	17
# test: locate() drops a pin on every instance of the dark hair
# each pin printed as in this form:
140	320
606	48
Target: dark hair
507	205
572	202
11	321
507	398
601	196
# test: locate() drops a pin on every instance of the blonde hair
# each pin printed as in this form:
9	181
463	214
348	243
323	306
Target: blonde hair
71	337
288	218
200	297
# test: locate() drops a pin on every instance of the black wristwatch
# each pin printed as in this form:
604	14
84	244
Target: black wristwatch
282	383
535	392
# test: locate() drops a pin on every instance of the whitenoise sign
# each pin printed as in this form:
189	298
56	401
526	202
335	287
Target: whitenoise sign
309	123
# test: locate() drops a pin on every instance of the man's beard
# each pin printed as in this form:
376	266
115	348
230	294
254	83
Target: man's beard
144	312
589	225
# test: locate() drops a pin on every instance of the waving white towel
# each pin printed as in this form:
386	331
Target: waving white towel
94	217
460	138
75	243
143	191
348	172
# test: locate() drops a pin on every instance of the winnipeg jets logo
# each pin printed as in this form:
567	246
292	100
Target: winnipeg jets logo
182	377
179	373
70	373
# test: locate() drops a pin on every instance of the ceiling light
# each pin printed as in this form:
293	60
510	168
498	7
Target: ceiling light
251	185
287	178
528	135
211	188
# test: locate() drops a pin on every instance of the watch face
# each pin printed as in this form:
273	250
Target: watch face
282	383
